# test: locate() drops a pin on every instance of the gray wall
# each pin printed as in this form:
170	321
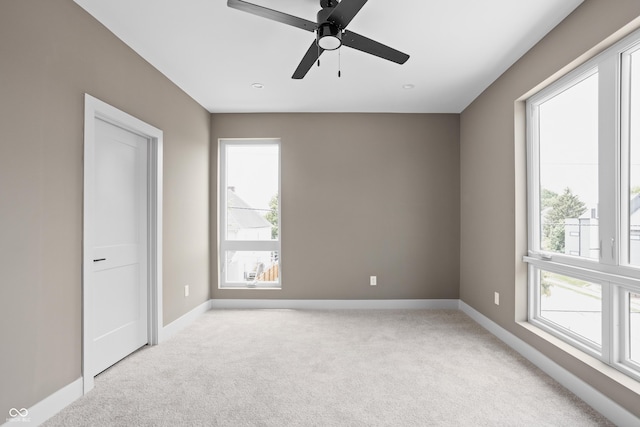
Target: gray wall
362	194
51	53
493	186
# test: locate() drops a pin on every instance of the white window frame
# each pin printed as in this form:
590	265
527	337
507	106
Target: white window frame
612	270
225	245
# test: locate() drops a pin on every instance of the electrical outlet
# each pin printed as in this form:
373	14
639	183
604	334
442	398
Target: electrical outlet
186	290
496	298
373	281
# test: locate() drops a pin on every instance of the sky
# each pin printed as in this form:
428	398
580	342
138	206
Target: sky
569	141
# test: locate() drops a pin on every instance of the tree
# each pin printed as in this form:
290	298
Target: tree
559	208
547	198
272	216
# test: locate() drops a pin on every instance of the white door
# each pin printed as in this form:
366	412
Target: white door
119	267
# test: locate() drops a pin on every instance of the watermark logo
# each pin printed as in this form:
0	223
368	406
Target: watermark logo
18	415
13	412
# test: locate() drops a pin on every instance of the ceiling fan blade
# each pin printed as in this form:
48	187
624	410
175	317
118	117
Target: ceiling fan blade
274	15
313	53
356	41
344	12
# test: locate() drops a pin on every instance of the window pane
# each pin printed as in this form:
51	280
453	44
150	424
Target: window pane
252	268
252	192
573	304
634	160
568	142
634	327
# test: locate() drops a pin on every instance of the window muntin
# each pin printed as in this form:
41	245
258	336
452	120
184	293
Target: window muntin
610	269
249	217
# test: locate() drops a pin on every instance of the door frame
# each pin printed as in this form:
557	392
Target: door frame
97	109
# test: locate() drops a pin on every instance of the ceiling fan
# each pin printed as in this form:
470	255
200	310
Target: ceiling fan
330	29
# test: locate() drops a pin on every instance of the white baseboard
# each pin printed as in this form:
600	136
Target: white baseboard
296	304
183	321
598	401
47	407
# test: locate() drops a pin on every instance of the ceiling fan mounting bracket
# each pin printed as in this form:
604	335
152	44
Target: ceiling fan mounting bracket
324	14
328	3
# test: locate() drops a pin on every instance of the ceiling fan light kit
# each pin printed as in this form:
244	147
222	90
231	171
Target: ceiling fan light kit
329	36
330	29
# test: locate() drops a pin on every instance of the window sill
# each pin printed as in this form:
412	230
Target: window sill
597	365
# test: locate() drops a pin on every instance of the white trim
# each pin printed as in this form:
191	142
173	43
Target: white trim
185	320
300	304
598	401
94	108
50	405
156	162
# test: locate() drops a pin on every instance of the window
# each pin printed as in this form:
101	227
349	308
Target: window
249	216
568	165
583	155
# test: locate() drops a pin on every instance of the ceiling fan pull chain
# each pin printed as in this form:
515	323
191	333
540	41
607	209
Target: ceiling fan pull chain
339	62
318	46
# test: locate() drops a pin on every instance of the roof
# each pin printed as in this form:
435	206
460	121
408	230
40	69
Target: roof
241	215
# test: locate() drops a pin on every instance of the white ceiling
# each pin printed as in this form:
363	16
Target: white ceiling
214	53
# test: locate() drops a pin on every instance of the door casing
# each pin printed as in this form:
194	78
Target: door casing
94	109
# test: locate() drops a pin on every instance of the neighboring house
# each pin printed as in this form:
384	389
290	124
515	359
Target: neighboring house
581	236
244	222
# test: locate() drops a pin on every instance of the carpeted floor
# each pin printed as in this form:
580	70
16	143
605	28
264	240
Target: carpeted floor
328	368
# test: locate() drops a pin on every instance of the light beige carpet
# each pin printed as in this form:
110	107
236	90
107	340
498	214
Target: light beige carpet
328	368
